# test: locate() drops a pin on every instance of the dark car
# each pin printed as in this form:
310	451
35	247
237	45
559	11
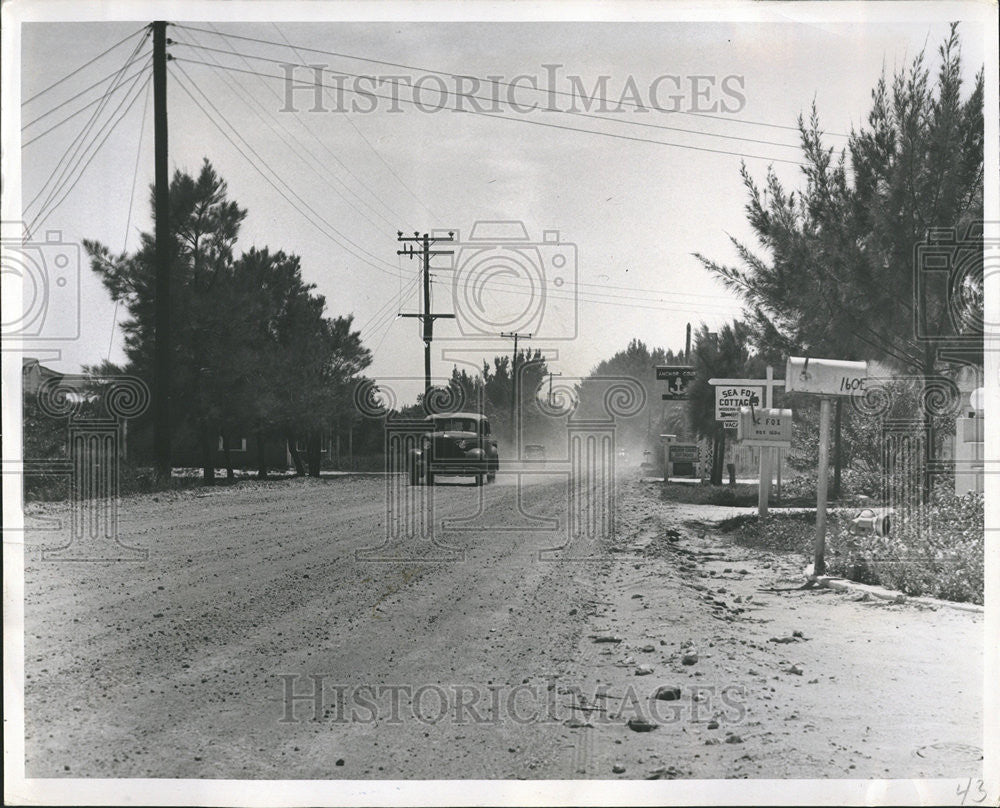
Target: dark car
456	444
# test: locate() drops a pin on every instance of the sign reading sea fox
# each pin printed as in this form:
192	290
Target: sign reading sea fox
729	399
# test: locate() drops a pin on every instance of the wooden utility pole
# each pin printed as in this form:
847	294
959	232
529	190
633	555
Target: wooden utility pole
163	254
427	318
513	379
551	374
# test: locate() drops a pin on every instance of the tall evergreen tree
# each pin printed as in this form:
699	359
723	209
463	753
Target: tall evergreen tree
253	350
841	272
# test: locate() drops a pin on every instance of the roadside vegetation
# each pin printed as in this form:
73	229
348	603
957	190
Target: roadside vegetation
937	552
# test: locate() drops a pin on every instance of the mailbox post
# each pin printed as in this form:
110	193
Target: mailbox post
826	378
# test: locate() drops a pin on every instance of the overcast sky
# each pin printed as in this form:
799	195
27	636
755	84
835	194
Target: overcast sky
635	210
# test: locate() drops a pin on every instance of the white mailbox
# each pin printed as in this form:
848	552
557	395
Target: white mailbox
765	427
825	377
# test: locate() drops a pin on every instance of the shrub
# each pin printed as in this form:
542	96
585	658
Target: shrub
937	552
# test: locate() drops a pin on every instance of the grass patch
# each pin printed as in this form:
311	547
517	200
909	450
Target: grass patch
699	494
43	487
741	495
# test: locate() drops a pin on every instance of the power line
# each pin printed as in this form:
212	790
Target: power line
615	300
388	327
277	176
333	155
74	147
563	127
39	218
87	63
499	83
359	133
70	100
131	200
316	162
79	154
70	117
377	319
596	296
470	96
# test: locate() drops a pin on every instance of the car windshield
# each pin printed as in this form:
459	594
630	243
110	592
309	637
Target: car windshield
455	425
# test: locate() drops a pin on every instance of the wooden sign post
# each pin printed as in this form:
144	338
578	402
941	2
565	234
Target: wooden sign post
769	429
767	387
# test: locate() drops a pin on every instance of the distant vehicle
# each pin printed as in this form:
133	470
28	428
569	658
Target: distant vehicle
456	444
534	451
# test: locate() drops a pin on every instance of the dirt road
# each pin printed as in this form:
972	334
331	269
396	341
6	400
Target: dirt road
264	637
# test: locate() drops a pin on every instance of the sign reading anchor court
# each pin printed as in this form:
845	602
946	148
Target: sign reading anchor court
677	377
729	399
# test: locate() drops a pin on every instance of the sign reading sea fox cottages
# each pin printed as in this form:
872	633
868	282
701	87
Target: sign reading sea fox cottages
729	399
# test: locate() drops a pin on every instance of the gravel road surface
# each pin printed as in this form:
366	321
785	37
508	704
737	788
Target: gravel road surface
266	636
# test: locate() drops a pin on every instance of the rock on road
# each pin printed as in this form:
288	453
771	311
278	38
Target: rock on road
266	636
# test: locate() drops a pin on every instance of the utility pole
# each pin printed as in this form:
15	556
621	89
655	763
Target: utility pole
551	374
513	379
687	344
161	312
427	317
